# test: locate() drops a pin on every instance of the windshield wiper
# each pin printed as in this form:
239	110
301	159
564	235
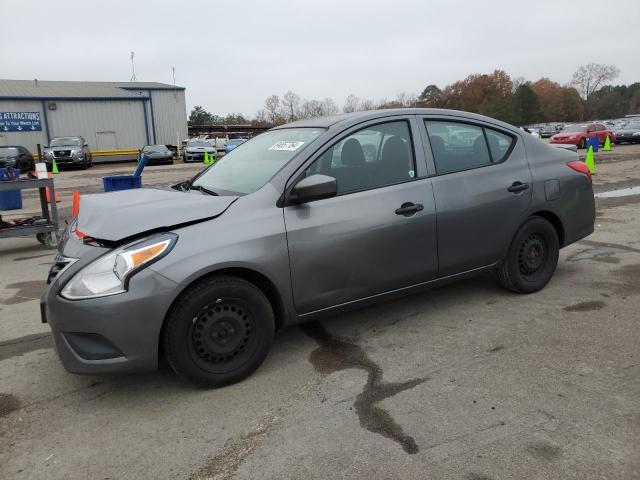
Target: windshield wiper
202	189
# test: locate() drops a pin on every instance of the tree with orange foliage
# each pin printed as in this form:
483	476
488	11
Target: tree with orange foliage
558	104
477	90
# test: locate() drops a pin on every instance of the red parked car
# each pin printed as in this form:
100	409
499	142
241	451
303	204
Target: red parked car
579	134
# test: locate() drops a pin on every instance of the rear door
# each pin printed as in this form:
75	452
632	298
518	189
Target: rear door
602	132
358	243
482	189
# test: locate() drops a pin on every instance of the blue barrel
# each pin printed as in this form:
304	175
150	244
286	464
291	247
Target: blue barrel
121	182
593	142
10	199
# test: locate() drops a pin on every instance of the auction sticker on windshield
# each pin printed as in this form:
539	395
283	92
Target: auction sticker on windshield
287	146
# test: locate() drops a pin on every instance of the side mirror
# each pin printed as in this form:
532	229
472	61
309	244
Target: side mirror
86	145
315	187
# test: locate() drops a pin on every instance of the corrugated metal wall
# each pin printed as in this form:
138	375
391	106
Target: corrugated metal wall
170	115
105	124
29	140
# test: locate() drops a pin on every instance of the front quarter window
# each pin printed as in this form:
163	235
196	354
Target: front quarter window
245	170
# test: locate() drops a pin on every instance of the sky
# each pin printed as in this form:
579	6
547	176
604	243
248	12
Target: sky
231	55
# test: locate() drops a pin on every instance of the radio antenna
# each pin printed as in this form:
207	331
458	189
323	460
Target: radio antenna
133	69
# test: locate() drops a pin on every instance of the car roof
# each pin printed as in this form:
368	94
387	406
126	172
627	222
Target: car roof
346	119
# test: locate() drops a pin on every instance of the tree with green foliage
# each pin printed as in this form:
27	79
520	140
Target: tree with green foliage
431	96
525	106
199	116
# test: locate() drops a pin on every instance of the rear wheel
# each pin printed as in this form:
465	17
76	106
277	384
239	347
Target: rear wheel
26	165
582	144
532	257
219	331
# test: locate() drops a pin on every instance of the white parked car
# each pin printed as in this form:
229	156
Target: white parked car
194	150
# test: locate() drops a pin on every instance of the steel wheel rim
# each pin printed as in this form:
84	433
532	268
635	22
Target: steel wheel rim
220	333
533	255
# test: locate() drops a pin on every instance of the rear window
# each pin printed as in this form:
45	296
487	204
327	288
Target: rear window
499	144
8	151
575	128
460	146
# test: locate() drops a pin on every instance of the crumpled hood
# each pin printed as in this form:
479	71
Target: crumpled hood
115	216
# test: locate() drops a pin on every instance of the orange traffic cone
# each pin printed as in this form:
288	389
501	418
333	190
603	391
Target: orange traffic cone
75	206
49	195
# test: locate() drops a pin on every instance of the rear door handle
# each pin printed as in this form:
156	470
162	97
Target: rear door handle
407	209
517	187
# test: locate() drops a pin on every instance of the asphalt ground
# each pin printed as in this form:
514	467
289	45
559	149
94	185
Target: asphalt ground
464	382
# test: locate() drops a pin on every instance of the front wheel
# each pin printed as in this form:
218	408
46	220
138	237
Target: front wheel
219	331
532	257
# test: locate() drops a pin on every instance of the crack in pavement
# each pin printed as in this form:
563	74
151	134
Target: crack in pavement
334	355
225	464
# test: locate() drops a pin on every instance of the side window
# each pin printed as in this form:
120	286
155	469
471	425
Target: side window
369	158
457	146
499	144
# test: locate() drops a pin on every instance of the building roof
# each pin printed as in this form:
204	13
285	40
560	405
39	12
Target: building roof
45	89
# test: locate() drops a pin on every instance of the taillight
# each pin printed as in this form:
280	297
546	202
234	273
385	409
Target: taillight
580	167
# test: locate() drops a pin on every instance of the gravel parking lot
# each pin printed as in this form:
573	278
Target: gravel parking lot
464	382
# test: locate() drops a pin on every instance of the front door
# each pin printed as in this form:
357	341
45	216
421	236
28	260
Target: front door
482	190
377	235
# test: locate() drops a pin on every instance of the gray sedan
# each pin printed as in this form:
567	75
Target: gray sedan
157	154
306	220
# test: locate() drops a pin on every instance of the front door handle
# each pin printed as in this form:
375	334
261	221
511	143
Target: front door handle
407	209
517	187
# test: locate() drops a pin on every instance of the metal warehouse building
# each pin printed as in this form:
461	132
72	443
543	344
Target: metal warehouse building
109	115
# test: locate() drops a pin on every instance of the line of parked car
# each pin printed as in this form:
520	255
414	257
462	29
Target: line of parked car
195	148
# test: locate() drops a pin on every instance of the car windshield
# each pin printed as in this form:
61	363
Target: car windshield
632	126
154	148
65	142
247	169
198	143
575	128
8	151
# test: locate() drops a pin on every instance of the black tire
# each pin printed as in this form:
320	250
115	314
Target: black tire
582	144
532	257
218	332
51	240
26	166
